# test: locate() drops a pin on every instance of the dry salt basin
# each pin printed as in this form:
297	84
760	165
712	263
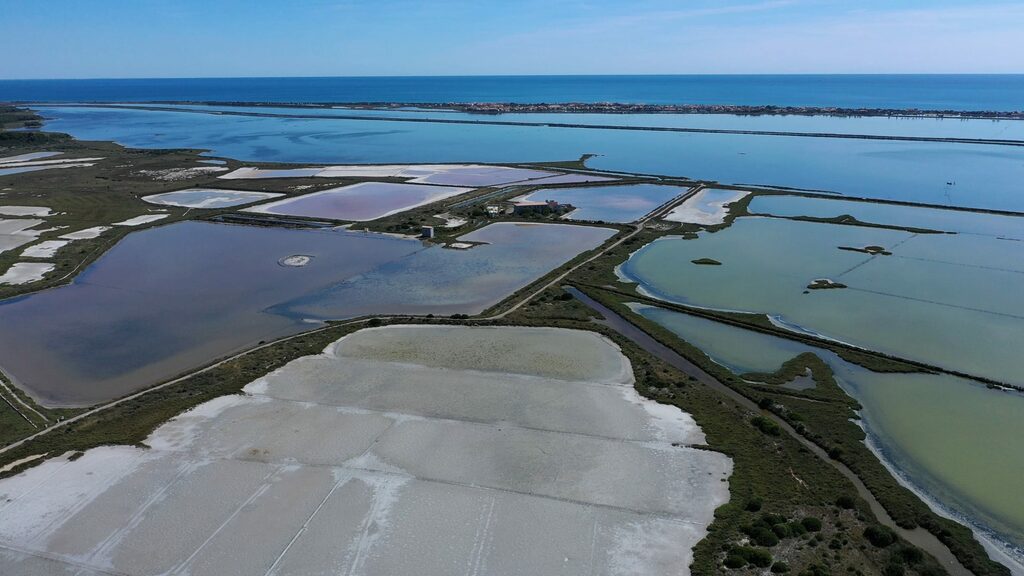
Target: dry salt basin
45	249
86	234
28	157
54	163
473	175
415	450
707	207
25	211
140	220
359	202
17	232
209	198
25	273
260	173
479	176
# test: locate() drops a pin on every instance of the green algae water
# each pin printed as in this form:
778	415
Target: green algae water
947	300
954	442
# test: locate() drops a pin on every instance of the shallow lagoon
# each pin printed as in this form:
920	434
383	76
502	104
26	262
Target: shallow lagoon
359	202
986	176
609	203
446	281
164	300
891	215
928	427
208	198
917	304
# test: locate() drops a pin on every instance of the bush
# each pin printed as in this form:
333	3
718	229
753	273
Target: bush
754	556
780	567
909	555
892	569
760	558
782	530
753	505
846	502
815	570
763	537
811	524
733	562
879	536
766	425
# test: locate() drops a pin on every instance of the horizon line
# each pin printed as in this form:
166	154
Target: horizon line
657	75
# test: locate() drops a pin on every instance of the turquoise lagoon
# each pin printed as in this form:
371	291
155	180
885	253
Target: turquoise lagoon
928	428
959	221
947	300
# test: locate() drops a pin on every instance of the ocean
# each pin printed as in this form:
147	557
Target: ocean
926	92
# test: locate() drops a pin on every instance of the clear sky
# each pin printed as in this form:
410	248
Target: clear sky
196	38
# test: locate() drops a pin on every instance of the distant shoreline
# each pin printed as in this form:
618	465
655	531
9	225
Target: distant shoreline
497	108
490	118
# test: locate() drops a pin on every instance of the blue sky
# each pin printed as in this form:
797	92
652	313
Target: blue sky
195	38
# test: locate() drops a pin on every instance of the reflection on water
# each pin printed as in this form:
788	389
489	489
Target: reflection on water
609	203
445	281
169	298
172	298
928	427
948	300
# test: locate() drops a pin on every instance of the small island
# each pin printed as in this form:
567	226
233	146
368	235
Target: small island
706	262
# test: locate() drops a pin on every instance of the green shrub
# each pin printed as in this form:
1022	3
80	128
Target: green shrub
893	569
780	567
811	524
846	502
753	505
763	536
734	561
782	530
909	555
766	425
758	557
815	570
879	536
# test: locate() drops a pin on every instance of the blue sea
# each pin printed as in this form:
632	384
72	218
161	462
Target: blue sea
928	92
